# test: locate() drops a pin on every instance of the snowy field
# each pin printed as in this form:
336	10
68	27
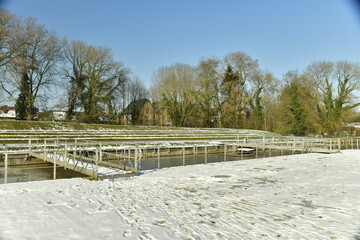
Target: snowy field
310	196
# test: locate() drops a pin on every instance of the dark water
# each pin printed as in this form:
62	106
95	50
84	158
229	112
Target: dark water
32	173
36	173
173	161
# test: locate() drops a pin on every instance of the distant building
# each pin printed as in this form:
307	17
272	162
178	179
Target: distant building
7	112
143	112
138	112
59	115
161	116
355	124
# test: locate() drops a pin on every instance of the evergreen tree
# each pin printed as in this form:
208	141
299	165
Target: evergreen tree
257	110
228	90
297	114
22	108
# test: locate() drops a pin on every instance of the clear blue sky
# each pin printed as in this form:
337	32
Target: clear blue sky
147	34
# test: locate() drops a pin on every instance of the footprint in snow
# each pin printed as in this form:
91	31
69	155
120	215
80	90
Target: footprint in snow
127	233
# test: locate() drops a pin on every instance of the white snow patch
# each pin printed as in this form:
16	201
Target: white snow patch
310	196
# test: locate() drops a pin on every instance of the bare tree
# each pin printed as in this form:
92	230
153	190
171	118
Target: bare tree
336	83
174	86
136	89
95	80
35	65
262	82
75	55
10	41
241	70
209	77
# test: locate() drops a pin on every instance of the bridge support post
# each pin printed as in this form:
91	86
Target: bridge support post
303	146
263	143
75	146
66	157
183	152
45	149
54	172
206	153
100	151
136	163
29	145
330	145
225	152
158	155
129	156
6	168
96	163
294	146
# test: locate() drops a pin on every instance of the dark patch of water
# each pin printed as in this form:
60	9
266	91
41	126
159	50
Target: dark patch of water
38	173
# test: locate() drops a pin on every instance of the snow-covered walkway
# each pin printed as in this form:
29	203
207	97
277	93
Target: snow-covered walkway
310	196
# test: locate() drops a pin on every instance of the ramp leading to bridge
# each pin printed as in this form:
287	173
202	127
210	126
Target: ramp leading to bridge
87	166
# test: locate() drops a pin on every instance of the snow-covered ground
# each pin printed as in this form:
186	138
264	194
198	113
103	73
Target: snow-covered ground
310	196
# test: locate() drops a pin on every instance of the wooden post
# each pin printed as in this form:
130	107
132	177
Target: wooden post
357	143
158	153
339	144
352	143
6	168
224	152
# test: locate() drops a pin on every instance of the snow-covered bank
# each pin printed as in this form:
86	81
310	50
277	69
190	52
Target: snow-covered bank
310	196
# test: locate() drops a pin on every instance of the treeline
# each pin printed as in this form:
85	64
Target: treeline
37	67
231	92
235	92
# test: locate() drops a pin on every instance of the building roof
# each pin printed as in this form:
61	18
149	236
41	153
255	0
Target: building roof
7	112
7	108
